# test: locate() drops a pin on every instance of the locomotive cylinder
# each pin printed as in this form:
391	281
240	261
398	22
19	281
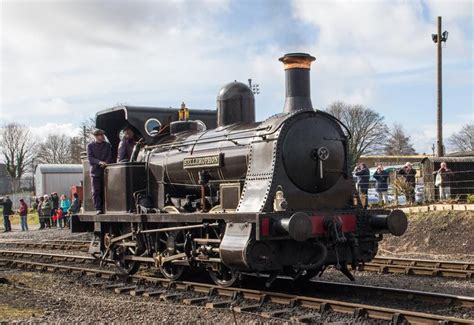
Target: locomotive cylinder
395	223
297	81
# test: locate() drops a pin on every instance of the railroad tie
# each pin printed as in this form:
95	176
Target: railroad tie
170	296
240	309
115	285
275	313
197	300
153	293
137	292
219	304
308	318
125	289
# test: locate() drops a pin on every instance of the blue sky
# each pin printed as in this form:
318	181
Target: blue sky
61	61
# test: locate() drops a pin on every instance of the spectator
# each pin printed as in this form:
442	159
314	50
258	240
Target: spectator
39	209
35	203
23	212
99	154
443	181
74	209
47	208
59	217
55	205
127	144
65	203
7	212
363	176
381	183
408	174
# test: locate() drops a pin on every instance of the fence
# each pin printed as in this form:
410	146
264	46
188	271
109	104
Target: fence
461	184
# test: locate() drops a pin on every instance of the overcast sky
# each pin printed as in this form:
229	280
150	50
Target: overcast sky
62	61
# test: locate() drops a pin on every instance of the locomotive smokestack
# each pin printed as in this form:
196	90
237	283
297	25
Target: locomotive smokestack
298	92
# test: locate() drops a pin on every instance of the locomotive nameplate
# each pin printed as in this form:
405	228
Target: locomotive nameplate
203	162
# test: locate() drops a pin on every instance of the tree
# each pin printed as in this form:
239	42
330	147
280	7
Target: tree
18	149
366	126
464	139
55	150
398	143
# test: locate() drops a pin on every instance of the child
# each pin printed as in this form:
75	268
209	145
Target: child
59	216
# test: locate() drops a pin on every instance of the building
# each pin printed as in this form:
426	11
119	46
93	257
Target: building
5	181
57	178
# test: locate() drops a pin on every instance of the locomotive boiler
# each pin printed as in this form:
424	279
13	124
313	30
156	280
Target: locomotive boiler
218	190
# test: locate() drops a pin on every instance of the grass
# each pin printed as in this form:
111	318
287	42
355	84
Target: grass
10	313
15	219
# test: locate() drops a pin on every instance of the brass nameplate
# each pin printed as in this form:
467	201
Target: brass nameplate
202	162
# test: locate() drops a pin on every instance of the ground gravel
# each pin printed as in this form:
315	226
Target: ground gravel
56	298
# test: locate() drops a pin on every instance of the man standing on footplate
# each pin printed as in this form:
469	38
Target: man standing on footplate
99	154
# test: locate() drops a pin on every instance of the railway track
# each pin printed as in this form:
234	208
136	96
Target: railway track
410	266
49	245
264	303
49	256
406	266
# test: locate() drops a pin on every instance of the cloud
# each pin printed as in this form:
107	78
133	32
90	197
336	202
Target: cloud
365	43
62	61
424	136
42	132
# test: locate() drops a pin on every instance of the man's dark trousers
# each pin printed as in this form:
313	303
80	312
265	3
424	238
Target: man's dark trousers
97	183
6	223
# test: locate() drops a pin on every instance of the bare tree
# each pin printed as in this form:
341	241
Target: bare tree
367	127
18	149
55	150
398	143
464	139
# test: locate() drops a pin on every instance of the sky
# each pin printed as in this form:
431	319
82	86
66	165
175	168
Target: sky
62	61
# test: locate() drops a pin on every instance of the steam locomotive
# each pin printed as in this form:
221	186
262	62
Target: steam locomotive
219	191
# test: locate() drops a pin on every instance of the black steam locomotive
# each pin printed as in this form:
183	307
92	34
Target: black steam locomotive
217	190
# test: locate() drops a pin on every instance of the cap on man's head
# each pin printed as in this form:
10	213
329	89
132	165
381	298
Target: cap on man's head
98	132
408	164
21	200
46	196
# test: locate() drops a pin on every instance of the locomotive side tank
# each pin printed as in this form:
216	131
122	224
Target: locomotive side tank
273	197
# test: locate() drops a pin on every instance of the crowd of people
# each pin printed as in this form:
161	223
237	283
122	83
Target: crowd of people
407	175
53	211
56	211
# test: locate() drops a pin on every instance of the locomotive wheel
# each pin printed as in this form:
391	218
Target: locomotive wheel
126	266
173	243
224	277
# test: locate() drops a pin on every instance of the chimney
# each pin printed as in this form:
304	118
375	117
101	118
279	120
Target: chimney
298	91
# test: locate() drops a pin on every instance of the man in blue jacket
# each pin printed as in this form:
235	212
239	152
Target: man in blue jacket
363	176
381	186
99	154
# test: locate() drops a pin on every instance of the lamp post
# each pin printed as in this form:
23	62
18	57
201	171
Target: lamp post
255	87
438	39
